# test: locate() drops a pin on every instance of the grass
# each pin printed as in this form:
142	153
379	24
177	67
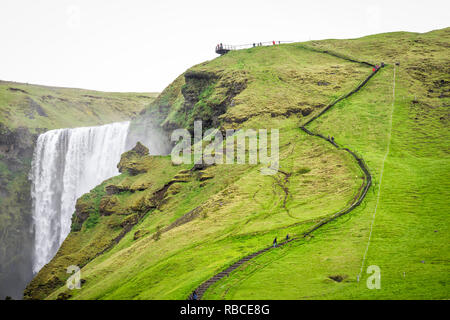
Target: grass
240	211
410	236
39	107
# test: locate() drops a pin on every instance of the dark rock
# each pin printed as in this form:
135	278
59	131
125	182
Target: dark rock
17	90
35	107
83	209
130	221
306	111
112	189
63	296
199	166
139	234
338	277
140	149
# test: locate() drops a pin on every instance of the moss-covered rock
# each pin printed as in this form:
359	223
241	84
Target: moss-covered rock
144	203
131	220
109	205
139	234
174	189
112	189
84	208
129	162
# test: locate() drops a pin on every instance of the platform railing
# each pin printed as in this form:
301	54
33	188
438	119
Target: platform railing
226	47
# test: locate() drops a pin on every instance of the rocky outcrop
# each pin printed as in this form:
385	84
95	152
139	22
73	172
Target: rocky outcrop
83	209
112	189
129	162
206	96
109	205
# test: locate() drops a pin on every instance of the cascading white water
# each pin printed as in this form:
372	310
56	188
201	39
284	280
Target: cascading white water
66	164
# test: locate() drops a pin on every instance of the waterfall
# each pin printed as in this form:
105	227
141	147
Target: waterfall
66	164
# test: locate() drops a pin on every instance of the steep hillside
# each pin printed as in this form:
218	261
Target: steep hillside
158	230
400	127
25	111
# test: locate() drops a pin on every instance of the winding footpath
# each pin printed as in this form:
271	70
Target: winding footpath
200	290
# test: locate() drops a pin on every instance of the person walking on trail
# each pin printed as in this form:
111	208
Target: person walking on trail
275	242
194	295
273	42
287	237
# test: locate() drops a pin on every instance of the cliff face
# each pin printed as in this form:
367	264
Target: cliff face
16	236
26	111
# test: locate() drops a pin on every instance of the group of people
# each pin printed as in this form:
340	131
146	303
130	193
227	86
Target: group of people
377	66
219	47
275	243
256	44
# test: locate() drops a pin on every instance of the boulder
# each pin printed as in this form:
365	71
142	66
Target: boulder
131	161
140	149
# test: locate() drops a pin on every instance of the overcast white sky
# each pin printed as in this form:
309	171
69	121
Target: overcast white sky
133	45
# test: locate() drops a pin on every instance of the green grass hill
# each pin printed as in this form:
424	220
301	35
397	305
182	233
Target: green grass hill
158	231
